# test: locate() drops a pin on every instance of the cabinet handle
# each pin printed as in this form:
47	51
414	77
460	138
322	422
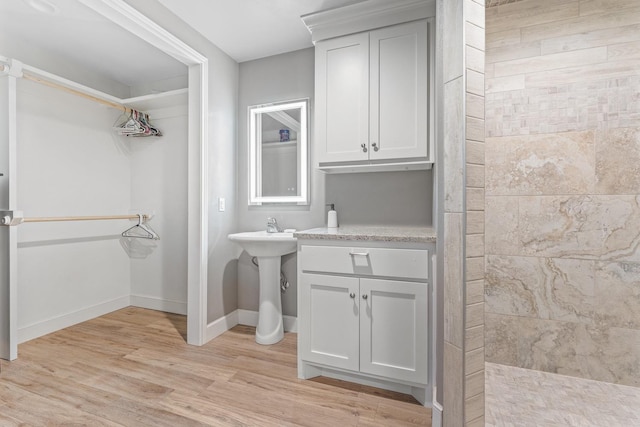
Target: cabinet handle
365	296
375	146
359	253
352	295
364	147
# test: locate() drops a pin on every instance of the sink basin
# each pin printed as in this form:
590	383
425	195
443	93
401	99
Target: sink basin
268	248
261	243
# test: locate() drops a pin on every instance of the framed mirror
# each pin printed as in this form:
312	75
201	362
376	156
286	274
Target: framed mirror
278	153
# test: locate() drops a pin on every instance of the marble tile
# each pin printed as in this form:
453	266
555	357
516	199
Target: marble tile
478	422
475	291
502	235
475	61
541	164
474	35
475	176
474	407
474	360
544	288
567	348
453	146
617	294
523	397
475	153
475	314
452	25
475	245
453	393
474	384
474	129
453	279
475	199
618	161
475	268
475	222
474	13
475	83
588	227
474	338
474	103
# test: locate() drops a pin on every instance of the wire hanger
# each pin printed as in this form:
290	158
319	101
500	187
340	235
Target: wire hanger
141	230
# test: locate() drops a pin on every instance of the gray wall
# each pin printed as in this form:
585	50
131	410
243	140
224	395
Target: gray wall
382	198
276	78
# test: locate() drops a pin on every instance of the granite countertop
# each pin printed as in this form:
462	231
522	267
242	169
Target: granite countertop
371	233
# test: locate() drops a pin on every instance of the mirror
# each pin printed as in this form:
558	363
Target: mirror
278	147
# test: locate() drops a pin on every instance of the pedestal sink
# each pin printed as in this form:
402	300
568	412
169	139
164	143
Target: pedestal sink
268	248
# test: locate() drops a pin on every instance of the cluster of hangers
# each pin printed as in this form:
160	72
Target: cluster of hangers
141	230
136	124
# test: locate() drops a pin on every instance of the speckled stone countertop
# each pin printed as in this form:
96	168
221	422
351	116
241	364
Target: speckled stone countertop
371	233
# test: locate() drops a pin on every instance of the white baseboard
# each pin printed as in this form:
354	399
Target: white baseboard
153	303
436	414
60	322
220	326
250	318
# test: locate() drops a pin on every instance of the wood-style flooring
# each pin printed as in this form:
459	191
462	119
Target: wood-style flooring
134	368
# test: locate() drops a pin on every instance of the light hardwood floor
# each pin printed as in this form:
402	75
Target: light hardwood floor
133	368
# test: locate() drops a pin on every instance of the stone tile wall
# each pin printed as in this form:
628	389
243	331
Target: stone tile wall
562	230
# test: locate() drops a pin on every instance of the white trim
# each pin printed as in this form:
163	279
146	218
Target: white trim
436	414
250	318
138	24
54	324
153	303
222	325
364	16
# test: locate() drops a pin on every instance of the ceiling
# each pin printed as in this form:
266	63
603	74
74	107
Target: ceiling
251	29
244	29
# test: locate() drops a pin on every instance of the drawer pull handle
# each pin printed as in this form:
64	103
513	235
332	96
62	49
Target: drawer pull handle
352	295
365	296
359	253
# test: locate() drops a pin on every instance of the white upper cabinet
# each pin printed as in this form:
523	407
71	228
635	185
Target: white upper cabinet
373	100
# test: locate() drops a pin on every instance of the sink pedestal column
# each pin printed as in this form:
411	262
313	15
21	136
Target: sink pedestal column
270	328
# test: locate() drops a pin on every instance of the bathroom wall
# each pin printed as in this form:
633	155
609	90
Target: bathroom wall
223	106
563	187
460	172
281	77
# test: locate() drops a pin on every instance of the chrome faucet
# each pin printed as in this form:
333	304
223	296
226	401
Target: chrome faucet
272	226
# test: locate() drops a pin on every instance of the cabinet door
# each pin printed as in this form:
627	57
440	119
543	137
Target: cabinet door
342	99
328	315
394	329
399	91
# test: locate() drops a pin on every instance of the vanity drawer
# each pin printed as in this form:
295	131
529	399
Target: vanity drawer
402	263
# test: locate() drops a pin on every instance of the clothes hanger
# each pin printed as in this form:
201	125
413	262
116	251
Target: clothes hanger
141	230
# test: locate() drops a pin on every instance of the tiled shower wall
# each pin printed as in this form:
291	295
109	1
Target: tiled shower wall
563	187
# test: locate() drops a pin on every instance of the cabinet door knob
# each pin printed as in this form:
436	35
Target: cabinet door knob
352	295
365	296
364	147
375	146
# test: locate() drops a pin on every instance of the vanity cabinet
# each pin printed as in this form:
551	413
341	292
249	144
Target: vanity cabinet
372	97
365	310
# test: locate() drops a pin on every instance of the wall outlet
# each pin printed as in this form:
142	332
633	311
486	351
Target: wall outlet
222	205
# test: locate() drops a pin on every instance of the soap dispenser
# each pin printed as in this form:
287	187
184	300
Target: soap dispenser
332	217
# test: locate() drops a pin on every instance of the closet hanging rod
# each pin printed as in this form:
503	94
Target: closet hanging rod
14	218
75	92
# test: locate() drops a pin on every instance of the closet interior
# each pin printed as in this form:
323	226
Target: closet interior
100	185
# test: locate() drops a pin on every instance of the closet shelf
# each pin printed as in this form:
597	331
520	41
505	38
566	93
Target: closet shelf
156	101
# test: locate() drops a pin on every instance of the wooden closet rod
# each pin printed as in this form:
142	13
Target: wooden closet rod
84	218
75	92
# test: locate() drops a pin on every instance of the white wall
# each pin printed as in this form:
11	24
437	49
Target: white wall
223	107
158	184
68	164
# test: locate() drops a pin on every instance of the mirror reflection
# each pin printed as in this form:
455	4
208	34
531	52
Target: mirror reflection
278	164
